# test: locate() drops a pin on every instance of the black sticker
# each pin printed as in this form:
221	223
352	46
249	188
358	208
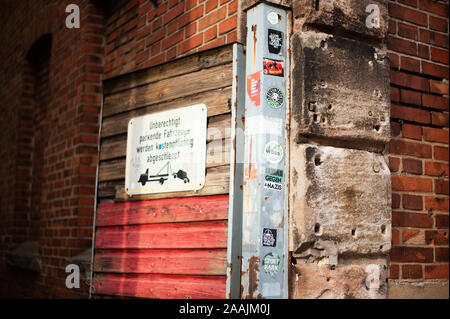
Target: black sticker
269	238
275	41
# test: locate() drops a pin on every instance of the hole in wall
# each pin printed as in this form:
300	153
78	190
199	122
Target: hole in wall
353	232
315	118
317	228
317	160
330	107
381	247
383	229
376	127
324	119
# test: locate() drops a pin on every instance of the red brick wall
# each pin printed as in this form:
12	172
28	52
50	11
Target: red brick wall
419	51
59	150
139	35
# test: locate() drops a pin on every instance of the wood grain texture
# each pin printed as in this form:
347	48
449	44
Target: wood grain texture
160	286
168	89
205	234
162	261
217	181
163	211
217	102
189	64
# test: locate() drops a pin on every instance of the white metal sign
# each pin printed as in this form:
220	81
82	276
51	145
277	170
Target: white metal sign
166	151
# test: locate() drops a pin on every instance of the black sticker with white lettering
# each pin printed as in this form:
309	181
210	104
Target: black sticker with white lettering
269	238
275	41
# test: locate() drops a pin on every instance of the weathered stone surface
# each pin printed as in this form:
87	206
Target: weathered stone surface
418	290
348	15
314	281
25	256
340	204
340	89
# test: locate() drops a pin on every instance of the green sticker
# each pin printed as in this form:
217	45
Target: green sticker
274	98
271	264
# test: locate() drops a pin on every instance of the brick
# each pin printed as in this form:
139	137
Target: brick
434	7
393	60
436	203
396	129
436	271
395	237
438	87
409	81
412	271
210	34
441	187
434	101
411	254
232	7
172	40
412	202
408	183
436	237
439	39
173	13
407	14
412	3
394	271
412	166
440	153
441	221
395	94
408	31
392	27
410	114
228	25
190	43
441	254
435	70
400	147
439	55
401	45
409	64
439	119
412	131
212	18
394	163
190	17
395	201
436	169
210	5
410	97
423	51
424	35
436	135
403	219
408	234
438	24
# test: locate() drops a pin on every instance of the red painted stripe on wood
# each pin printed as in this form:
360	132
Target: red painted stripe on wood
163	211
160	286
208	234
162	261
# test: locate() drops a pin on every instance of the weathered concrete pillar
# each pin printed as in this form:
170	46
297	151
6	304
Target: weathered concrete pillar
340	194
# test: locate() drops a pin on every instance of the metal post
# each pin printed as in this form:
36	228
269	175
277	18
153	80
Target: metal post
265	215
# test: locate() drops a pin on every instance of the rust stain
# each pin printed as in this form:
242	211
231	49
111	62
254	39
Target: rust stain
253	271
254	45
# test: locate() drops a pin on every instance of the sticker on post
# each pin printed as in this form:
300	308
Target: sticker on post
273	179
273	17
269	238
274	98
254	88
271	264
275	41
273	152
273	67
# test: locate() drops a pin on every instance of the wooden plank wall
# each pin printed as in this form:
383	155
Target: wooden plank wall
168	245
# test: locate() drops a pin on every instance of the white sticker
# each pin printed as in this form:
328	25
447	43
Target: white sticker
273	17
260	124
273	152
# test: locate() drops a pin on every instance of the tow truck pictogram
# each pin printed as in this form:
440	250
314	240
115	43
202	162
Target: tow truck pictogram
144	178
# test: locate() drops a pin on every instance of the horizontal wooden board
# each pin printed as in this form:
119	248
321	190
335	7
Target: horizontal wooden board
160	261
178	67
217	181
217	102
163	211
206	234
168	89
218	129
160	286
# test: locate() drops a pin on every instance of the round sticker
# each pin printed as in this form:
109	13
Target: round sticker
273	152
275	98
271	264
272	17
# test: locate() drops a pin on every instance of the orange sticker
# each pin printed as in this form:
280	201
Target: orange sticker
254	88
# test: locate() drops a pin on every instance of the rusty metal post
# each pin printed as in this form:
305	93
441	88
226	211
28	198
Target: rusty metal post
265	214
